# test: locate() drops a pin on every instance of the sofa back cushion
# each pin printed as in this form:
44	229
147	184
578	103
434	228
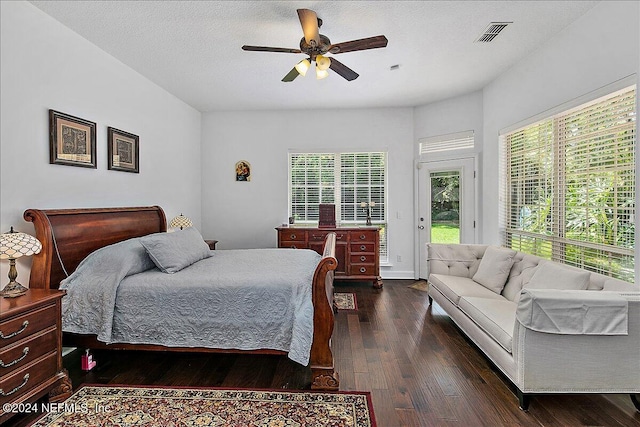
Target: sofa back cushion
454	260
524	266
494	268
553	275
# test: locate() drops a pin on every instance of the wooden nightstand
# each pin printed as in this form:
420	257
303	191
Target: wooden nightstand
211	243
31	349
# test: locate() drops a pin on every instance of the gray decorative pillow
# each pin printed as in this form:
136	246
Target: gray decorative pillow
494	268
171	252
552	275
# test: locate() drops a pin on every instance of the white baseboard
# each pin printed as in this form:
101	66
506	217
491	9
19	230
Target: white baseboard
394	274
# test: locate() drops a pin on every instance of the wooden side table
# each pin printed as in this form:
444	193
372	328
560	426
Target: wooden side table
31	349
211	243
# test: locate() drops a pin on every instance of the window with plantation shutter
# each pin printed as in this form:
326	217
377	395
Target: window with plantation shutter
311	182
570	186
344	179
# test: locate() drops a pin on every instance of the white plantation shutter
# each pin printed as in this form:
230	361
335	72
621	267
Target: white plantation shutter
443	143
312	181
570	186
345	179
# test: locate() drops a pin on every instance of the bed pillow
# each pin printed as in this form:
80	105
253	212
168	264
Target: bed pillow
494	268
171	252
552	275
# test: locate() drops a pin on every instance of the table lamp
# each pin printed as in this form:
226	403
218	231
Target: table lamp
14	245
180	221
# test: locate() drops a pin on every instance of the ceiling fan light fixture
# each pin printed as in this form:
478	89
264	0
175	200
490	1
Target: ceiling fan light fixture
303	66
323	62
321	74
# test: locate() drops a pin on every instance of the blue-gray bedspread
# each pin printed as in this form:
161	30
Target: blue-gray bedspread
237	299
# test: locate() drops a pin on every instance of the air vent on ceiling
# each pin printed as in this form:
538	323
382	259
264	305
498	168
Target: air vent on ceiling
492	31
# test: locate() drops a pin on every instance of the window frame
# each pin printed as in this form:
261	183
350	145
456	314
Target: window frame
555	236
338	189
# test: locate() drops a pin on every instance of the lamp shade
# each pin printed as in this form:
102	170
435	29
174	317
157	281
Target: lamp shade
321	74
14	245
323	62
180	221
303	66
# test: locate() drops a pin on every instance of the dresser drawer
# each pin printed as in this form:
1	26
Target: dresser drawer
292	244
320	236
362	270
363	236
363	247
363	258
23	352
23	380
19	327
293	235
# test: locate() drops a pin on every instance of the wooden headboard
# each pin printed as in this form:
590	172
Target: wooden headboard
69	235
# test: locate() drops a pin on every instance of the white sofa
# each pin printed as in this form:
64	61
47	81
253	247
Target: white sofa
534	321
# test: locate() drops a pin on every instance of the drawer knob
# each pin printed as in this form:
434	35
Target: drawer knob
293	237
293	247
363	258
24	354
25	379
362	237
363	247
18	332
362	269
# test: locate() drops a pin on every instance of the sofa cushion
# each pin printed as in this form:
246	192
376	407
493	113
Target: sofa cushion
496	317
524	267
454	259
618	285
552	275
453	287
494	268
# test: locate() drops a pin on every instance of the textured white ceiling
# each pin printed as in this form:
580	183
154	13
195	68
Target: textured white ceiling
193	48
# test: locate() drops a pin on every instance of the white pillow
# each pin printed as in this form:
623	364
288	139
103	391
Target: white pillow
552	275
494	268
171	252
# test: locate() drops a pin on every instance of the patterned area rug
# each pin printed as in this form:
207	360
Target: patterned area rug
345	300
125	406
420	285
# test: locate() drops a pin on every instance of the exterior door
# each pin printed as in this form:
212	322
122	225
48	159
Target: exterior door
446	212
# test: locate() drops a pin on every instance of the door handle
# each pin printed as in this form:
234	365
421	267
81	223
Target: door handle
421	227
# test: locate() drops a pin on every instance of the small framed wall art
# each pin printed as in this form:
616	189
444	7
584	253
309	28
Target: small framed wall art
72	140
243	171
123	151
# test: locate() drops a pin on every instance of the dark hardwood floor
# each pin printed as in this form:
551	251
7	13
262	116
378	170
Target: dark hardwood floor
419	368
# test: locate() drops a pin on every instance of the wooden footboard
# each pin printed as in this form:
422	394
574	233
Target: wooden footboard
323	375
69	235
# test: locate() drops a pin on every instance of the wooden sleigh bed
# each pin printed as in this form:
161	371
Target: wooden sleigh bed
69	235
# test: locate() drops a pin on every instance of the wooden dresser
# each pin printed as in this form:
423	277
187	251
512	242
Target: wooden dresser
31	350
357	249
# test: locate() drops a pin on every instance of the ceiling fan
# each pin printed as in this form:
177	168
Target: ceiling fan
316	45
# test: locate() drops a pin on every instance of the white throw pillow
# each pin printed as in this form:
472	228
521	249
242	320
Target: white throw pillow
494	268
552	275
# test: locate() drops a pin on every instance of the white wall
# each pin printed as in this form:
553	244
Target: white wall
598	49
453	115
46	65
244	215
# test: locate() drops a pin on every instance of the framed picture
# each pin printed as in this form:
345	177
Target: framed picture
123	151
243	171
72	140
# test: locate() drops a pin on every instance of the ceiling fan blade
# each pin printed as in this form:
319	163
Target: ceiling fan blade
309	21
270	49
343	70
291	76
361	44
